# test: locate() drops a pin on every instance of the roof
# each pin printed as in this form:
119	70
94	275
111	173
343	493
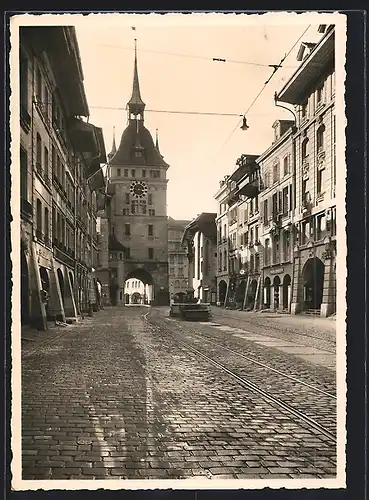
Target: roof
137	133
204	223
310	71
115	244
61	48
176	223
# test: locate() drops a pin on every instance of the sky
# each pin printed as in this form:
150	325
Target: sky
200	149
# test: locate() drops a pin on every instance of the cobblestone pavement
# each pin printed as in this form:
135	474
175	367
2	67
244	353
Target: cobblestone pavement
117	397
308	330
308	389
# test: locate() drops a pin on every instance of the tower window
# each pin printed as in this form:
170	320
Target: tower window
133	173
143	173
151	230
126	172
127	230
151	253
151	211
150	199
118	172
127	198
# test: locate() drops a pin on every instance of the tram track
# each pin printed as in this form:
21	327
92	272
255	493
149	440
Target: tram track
288	333
326	429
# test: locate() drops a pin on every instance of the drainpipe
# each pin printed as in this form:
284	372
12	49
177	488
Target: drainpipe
293	200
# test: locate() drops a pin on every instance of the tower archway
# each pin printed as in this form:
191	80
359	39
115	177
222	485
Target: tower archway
313	276
141	287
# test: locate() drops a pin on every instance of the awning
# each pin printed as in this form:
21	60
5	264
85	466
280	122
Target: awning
96	179
84	137
309	72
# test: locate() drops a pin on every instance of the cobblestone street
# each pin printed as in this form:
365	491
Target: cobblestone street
132	393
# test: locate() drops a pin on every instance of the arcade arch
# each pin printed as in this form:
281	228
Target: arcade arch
313	277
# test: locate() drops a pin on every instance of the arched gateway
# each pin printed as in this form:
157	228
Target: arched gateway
137	205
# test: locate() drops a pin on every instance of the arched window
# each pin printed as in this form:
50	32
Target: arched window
304	150
320	138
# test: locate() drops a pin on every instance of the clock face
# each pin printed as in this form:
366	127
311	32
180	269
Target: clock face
138	189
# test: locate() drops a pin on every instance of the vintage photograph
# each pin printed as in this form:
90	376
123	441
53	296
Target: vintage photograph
178	250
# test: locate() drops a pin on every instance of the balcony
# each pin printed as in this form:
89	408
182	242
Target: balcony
249	187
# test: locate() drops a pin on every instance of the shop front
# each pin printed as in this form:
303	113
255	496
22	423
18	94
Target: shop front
277	287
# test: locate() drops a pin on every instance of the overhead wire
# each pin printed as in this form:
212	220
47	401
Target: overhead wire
169	111
275	69
192	56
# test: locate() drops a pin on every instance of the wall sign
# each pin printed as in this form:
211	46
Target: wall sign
277	270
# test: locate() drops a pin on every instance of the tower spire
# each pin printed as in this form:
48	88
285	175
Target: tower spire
136	105
157	141
114	147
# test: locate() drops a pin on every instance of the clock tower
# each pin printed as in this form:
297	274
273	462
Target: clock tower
137	208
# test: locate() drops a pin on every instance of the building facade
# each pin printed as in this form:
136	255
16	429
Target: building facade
60	174
276	218
137	208
178	263
311	90
238	275
200	240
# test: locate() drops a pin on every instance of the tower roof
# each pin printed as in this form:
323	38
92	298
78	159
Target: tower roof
136	104
136	133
